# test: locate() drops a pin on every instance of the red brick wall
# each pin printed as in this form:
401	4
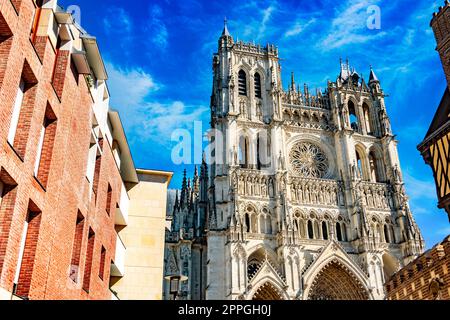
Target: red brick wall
413	281
25	118
59	74
50	124
6	213
76	248
16	4
29	253
67	189
89	258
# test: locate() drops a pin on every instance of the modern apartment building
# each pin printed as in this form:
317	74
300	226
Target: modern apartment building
65	164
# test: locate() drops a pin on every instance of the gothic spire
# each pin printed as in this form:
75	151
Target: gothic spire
183	190
292	82
196	181
373	77
176	204
225	31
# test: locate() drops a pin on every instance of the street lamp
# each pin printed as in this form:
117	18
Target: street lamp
174	284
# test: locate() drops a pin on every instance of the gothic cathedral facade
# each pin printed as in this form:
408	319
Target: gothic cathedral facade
305	198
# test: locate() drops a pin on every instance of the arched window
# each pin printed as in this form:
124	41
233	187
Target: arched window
257	85
367	118
338	231
316	230
243	152
353	117
374	174
268	224
310	230
324	230
392	234
360	165
386	234
242	83
344	232
247	221
262	151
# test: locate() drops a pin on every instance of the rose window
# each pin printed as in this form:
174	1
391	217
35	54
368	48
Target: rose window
308	160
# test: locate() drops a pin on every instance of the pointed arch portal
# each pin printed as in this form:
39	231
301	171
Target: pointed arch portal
267	292
335	282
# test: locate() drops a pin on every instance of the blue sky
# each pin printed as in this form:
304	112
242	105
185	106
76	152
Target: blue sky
159	53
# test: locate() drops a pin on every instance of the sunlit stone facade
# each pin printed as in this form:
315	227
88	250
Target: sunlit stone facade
305	199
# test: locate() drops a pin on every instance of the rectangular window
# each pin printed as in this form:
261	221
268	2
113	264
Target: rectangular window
8	193
76	248
62	61
98	163
94	158
16	112
22	111
88	263
6	39
25	265
108	200
45	147
101	270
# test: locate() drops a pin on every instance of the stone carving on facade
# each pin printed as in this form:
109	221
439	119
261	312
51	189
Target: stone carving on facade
299	210
308	160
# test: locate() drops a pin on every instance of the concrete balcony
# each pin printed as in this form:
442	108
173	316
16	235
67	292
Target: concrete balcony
121	217
118	265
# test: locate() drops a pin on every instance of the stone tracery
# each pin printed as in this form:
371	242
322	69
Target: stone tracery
335	282
308	160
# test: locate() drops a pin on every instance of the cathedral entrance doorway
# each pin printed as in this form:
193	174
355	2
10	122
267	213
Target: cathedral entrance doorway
335	282
267	292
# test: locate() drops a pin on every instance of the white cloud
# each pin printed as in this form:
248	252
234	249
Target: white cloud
350	26
163	118
267	13
118	21
131	91
157	28
419	189
129	87
299	27
256	17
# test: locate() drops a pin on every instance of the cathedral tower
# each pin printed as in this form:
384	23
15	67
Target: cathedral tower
306	188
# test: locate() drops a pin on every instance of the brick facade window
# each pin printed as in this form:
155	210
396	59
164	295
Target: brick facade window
88	263
76	248
36	19
98	164
101	270
108	200
27	251
62	61
6	39
94	159
8	193
22	111
45	147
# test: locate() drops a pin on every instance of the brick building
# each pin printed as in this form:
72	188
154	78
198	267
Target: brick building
65	165
426	278
435	146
